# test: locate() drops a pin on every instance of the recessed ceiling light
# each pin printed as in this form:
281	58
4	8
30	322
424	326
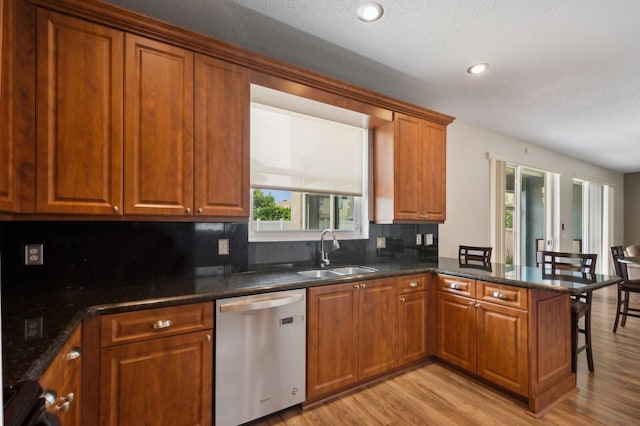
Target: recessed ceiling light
370	12
478	68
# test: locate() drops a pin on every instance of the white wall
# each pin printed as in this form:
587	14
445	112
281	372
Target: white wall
631	209
469	182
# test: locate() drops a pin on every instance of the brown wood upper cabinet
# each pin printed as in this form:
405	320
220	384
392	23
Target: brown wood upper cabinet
158	122
175	143
79	116
222	105
409	171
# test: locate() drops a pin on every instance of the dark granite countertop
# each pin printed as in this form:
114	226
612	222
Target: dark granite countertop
62	310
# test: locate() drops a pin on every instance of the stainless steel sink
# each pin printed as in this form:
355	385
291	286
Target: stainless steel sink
318	273
353	270
337	272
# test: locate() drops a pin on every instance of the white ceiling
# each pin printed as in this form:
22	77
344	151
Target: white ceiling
564	74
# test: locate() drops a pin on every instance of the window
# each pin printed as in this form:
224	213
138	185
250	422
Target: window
307	174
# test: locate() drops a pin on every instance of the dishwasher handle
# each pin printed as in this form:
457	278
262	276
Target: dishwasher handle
256	303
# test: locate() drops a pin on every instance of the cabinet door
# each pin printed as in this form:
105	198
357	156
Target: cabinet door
158	128
7	147
413	326
79	116
457	330
408	168
221	138
63	377
502	346
332	338
378	344
166	381
434	154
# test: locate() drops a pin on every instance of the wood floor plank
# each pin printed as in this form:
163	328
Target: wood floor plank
437	395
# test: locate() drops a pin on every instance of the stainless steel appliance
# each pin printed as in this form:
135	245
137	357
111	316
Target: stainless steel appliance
260	355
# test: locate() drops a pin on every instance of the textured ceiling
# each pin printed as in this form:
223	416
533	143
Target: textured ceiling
563	74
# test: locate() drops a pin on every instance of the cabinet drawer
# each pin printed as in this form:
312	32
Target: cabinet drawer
151	323
457	285
412	283
503	294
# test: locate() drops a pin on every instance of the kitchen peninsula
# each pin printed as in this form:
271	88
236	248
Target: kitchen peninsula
547	342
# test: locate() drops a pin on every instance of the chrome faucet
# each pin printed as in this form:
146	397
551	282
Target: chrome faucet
324	255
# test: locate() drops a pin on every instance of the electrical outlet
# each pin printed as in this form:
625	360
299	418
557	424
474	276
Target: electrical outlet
223	247
381	242
33	328
33	254
428	239
418	239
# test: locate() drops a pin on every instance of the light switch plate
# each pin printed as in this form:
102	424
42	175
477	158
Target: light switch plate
428	239
418	239
381	242
223	247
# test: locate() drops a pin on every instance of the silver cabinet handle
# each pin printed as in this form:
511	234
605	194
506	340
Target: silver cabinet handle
116	209
357	286
455	286
200	210
499	295
74	353
471	303
188	210
402	299
207	337
363	285
477	305
413	284
64	407
160	324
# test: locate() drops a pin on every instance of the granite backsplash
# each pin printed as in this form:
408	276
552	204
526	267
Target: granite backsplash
102	254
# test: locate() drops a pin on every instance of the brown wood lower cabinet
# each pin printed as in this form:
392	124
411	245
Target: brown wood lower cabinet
156	367
62	381
484	338
516	338
352	334
413	318
164	381
362	330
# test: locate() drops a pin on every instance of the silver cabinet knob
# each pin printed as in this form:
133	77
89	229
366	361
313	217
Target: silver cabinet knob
357	286
207	337
74	353
363	285
200	210
402	300
188	210
116	209
413	284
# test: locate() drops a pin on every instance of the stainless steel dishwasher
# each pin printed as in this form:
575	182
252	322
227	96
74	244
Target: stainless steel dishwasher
260	355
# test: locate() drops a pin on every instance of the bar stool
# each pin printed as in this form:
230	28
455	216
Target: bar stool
580	304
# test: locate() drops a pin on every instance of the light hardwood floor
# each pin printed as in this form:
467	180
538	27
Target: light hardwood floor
437	395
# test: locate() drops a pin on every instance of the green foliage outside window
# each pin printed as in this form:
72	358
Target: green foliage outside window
508	219
265	207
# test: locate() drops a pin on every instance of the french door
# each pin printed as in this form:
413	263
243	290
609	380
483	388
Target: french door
530	214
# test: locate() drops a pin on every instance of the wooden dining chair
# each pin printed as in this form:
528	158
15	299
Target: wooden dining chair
468	254
580	304
625	286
